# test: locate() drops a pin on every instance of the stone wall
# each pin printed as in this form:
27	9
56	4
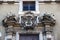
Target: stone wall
53	8
4	10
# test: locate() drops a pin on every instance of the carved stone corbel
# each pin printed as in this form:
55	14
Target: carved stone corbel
48	23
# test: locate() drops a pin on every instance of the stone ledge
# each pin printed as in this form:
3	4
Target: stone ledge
9	2
49	1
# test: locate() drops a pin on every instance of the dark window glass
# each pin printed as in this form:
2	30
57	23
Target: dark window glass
32	7
28	5
9	39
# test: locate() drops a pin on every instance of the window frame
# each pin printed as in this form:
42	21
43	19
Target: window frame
28	3
36	7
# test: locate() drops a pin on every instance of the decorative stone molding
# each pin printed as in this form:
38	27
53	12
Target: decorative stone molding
48	21
30	21
9	2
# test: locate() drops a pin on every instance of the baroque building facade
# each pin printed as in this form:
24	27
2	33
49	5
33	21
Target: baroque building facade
29	20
